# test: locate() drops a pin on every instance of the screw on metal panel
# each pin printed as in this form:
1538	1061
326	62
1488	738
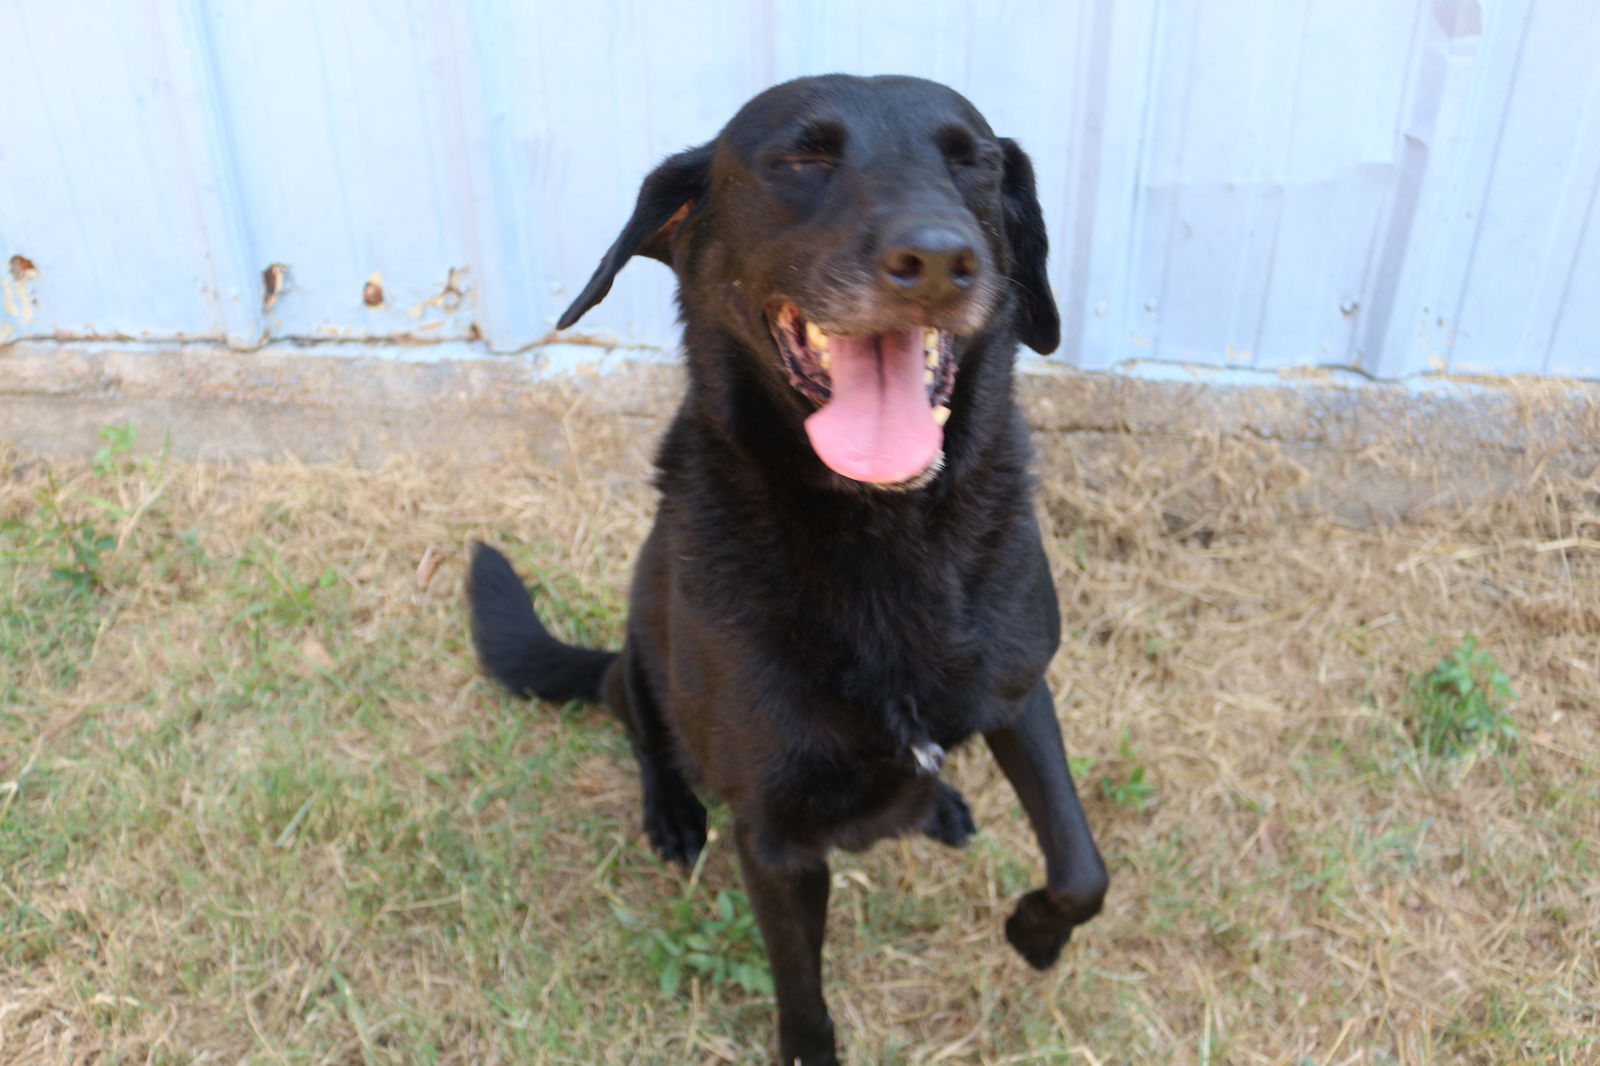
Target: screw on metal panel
1349	306
274	280
372	291
22	267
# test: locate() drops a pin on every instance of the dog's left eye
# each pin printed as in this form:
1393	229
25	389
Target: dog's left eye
963	150
802	164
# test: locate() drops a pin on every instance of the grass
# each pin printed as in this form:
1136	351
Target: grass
256	806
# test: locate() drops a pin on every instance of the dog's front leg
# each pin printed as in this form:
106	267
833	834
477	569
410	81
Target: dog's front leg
1030	752
674	817
791	905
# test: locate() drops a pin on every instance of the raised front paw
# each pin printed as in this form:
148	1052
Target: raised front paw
950	821
1043	922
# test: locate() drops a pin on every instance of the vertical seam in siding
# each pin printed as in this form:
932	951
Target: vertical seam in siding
1264	301
1577	251
90	249
1488	182
226	222
1388	248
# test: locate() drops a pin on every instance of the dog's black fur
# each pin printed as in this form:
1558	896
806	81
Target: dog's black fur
802	644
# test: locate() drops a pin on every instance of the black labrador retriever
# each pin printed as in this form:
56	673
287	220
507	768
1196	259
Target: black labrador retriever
845	578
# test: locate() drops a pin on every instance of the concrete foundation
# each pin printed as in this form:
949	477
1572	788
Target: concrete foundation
1384	448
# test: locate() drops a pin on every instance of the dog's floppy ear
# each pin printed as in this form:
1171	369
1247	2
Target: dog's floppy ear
665	200
1040	328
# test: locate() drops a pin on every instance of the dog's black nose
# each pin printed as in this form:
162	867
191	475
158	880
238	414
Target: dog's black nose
931	263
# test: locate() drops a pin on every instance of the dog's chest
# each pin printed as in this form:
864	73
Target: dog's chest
827	797
842	775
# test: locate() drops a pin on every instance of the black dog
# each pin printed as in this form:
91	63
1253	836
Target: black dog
845	579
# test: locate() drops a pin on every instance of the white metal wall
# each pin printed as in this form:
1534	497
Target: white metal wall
1395	186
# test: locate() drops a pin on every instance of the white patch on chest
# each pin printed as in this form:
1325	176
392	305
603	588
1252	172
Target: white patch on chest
929	756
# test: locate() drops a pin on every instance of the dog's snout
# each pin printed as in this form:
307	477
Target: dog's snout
931	263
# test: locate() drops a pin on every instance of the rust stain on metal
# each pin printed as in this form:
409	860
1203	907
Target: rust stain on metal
608	341
274	280
448	299
372	291
14	295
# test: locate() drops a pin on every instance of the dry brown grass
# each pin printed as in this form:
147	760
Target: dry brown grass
259	808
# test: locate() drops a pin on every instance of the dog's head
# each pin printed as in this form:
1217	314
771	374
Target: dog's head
857	237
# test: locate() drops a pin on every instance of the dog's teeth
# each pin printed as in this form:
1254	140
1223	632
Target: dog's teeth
816	338
941	414
930	338
932	358
927	376
825	359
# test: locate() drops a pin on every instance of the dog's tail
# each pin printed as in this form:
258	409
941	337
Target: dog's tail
515	648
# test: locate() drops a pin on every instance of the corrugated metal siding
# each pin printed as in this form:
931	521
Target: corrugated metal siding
1514	282
1266	163
1396	186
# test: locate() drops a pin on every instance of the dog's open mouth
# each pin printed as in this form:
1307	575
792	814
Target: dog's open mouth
881	397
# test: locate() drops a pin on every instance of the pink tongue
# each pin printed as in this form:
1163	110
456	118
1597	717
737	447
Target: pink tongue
878	426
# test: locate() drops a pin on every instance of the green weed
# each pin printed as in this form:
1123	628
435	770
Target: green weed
1130	789
118	442
718	942
1462	702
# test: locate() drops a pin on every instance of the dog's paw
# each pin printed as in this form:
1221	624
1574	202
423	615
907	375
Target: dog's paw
950	821
807	1045
675	822
1041	925
828	1058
